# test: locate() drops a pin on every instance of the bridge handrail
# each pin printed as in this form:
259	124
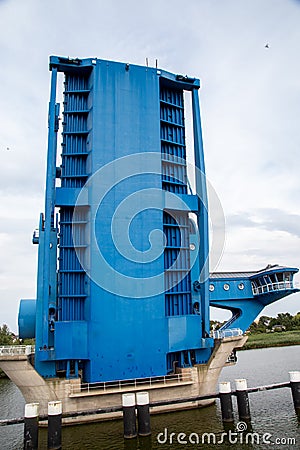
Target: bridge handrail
270	287
12	350
231	332
120	385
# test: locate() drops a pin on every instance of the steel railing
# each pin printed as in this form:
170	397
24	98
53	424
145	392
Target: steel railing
136	383
13	350
270	287
231	332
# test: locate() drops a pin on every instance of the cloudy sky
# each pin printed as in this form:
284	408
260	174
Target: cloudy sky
250	104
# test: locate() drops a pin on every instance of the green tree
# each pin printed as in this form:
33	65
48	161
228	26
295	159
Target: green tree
296	321
264	321
6	336
286	319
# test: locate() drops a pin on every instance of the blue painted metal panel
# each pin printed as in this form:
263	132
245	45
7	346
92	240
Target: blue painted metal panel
45	306
184	333
71	340
26	318
174	179
67	196
129	125
202	214
230	289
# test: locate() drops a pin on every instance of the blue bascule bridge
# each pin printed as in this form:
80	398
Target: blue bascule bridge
123	284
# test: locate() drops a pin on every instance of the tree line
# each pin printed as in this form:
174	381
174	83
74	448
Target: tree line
265	324
285	320
7	337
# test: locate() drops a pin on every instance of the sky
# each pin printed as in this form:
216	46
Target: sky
250	107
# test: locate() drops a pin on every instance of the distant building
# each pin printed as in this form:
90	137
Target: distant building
278	328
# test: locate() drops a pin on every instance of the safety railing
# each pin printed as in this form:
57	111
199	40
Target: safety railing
271	287
231	332
135	383
14	350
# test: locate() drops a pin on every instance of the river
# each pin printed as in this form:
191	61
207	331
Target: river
273	416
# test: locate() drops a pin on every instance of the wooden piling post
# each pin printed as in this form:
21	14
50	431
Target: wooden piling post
226	401
31	426
129	418
143	413
295	387
242	399
54	425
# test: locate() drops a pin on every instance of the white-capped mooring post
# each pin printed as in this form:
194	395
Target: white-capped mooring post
226	401
295	387
143	413
129	418
31	426
242	399
54	425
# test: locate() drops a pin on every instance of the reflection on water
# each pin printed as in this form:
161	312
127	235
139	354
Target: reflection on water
272	412
11	406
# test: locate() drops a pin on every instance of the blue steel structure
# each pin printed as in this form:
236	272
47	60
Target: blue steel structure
245	294
157	316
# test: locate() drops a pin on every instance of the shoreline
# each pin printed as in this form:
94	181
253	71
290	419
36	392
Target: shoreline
276	339
258	346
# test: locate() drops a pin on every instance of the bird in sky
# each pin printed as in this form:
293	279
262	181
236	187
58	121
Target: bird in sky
267	46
